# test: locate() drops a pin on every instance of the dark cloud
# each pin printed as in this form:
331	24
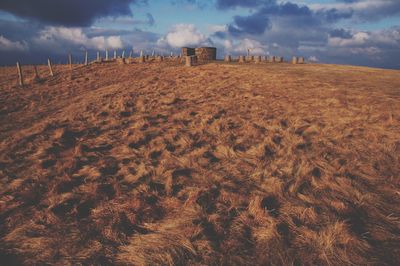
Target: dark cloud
333	15
220	35
340	33
259	21
225	4
293	15
253	24
365	10
68	12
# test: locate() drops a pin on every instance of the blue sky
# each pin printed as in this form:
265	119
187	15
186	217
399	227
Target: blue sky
359	32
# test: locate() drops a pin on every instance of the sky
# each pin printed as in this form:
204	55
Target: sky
356	32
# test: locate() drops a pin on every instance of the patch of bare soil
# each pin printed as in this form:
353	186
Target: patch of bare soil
219	164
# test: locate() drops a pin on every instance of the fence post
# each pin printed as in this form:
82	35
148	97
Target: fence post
86	58
20	77
106	54
50	67
37	77
115	54
70	61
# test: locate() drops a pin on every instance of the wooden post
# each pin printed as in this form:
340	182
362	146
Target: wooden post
141	53
86	58
98	56
228	58
242	59
106	55
123	54
37	77
20	77
50	67
115	54
294	60
70	61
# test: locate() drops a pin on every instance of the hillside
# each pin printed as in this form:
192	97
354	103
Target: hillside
219	164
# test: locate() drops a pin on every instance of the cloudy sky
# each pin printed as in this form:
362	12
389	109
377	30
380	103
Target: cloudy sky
359	32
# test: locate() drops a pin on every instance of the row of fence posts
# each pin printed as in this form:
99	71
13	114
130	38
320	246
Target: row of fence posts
37	77
49	64
142	59
258	59
189	61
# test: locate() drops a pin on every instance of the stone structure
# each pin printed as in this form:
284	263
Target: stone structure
202	53
206	53
190	60
186	51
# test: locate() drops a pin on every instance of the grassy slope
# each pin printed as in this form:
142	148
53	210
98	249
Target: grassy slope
216	164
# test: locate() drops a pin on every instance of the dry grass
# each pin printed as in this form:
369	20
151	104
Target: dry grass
220	164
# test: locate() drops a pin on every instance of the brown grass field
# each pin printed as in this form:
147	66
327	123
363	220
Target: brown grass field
219	164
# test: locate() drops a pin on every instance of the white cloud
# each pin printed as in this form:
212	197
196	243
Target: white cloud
370	51
256	48
313	58
183	35
8	45
357	39
228	45
58	35
217	28
365	9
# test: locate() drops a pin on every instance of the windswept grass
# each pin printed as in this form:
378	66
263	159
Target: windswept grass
219	164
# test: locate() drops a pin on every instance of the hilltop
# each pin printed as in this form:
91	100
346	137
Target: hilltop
157	163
